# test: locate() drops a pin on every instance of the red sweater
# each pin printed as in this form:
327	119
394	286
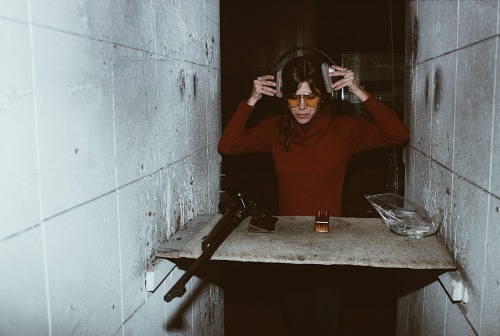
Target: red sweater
311	175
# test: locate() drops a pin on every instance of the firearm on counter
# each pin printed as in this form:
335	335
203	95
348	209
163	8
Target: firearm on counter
232	217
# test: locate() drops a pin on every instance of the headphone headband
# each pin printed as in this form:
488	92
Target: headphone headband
289	51
325	68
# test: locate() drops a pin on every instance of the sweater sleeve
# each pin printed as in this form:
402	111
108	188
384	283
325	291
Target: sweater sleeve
237	139
387	129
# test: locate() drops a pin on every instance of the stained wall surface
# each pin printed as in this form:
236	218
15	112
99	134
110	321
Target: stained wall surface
453	159
109	121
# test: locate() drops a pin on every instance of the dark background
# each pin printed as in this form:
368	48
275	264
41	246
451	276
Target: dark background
255	34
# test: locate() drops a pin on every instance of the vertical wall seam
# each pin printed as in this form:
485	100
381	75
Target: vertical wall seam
38	166
490	184
117	191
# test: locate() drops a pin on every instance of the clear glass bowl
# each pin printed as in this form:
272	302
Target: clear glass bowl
405	217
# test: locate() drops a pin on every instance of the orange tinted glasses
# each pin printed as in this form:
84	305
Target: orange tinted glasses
310	100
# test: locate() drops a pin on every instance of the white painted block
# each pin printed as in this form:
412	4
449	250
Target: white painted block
198	181
195	98
19	192
157	272
469	31
180	30
443	109
470	223
149	318
453	284
474	112
14	9
172	123
421	137
491	308
136	114
84	269
425	34
23	295
89	18
445	27
141	229
456	322
214	113
133	24
75	115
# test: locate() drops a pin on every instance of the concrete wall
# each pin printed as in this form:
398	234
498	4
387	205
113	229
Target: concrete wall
453	159
109	121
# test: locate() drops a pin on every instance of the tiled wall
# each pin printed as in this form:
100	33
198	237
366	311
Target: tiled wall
453	159
109	122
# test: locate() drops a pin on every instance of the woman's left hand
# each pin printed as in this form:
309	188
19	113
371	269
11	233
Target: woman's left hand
348	81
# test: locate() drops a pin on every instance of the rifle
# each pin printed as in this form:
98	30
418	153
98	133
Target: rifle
233	216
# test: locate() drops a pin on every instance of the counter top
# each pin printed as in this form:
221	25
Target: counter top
350	241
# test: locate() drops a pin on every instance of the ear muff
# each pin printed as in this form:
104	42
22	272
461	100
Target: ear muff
325	69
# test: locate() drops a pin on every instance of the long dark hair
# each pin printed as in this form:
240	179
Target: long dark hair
298	70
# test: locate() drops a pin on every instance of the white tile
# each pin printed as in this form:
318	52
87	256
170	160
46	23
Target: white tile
443	109
474	112
86	18
214	117
133	24
212	45
74	104
172	111
212	11
470	222
198	182
136	114
187	20
149	319
195	98
440	196
84	269
445	26
470	13
214	171
421	179
179	205
23	300
143	208
409	153
421	137
491	292
456	322
19	203
425	32
14	9
434	316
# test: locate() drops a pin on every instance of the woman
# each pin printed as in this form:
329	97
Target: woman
310	145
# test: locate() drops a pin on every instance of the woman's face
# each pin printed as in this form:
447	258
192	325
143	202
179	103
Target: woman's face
303	112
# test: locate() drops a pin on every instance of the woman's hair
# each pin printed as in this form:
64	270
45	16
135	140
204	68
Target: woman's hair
298	70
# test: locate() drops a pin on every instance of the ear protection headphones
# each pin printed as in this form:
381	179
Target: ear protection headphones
325	69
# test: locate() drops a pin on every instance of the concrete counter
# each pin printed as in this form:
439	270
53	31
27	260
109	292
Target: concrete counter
350	241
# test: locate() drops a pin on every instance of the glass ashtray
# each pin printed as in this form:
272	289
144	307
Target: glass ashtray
405	217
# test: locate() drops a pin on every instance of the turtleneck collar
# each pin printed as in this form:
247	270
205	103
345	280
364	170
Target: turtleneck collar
310	133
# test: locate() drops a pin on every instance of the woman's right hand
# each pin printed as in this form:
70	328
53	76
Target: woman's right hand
262	85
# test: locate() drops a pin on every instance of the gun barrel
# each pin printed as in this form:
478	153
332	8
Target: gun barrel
210	243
